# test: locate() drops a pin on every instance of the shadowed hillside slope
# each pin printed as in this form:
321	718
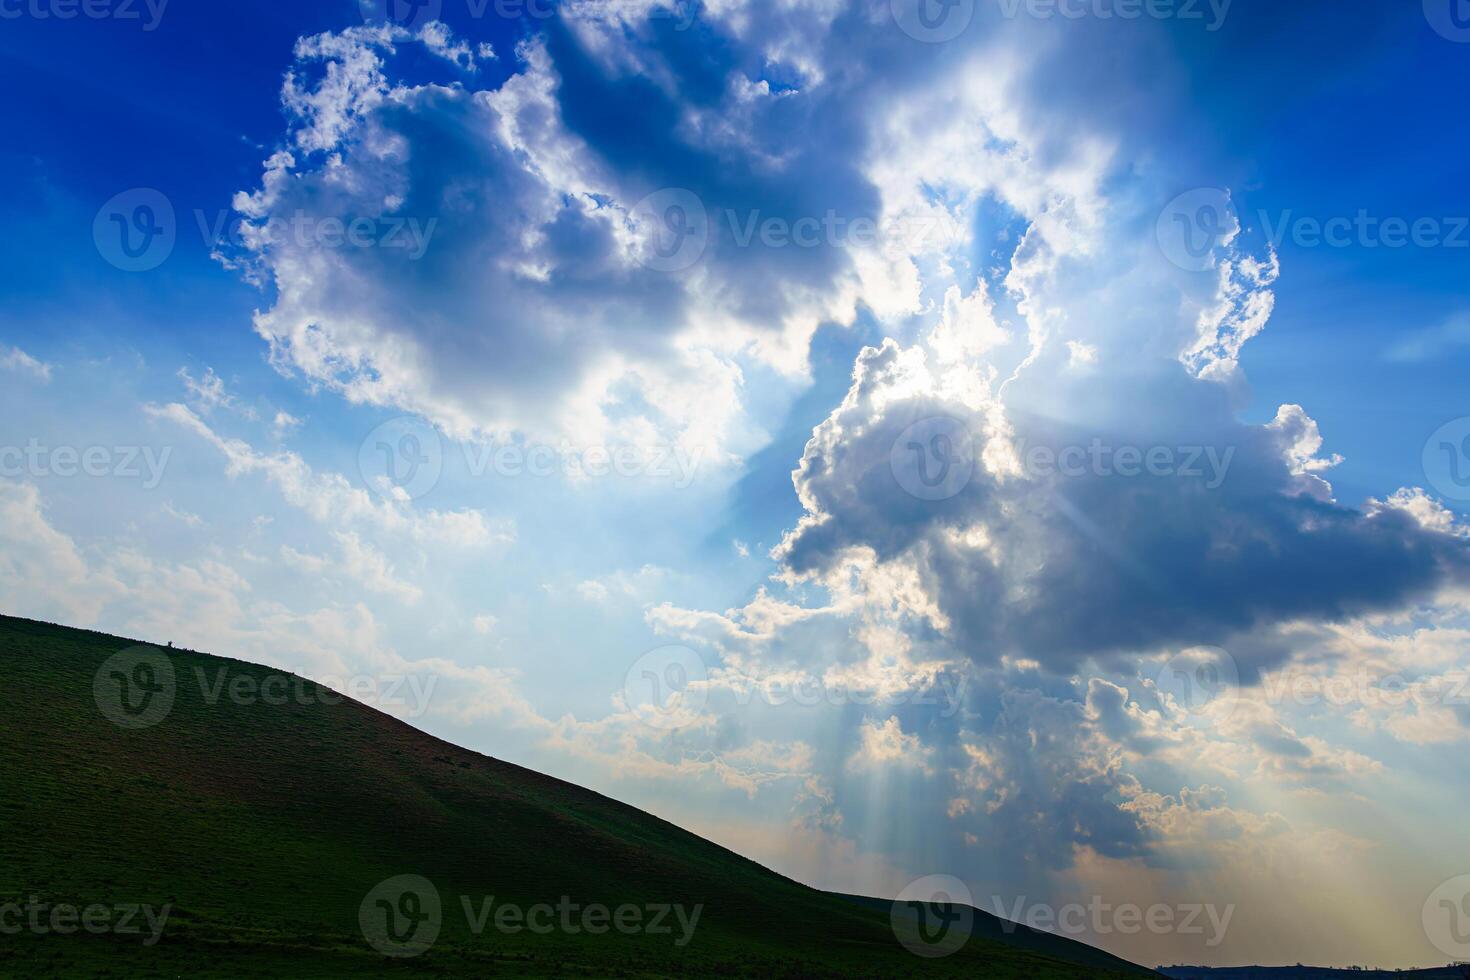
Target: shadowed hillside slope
266	831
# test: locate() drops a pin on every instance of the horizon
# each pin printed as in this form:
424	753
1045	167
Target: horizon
1015	449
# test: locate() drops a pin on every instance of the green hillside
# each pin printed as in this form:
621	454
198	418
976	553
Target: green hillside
265	831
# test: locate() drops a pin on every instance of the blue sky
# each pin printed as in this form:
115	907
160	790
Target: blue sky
748	346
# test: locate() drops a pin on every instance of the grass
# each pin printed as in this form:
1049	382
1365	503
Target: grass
264	827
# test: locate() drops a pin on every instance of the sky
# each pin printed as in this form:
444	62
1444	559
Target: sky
1021	441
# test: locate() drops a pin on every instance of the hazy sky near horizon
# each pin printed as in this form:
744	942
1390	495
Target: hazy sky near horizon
1022	441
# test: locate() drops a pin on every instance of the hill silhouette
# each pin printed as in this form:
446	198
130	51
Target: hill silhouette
171	813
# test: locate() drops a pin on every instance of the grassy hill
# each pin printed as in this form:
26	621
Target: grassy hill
266	832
